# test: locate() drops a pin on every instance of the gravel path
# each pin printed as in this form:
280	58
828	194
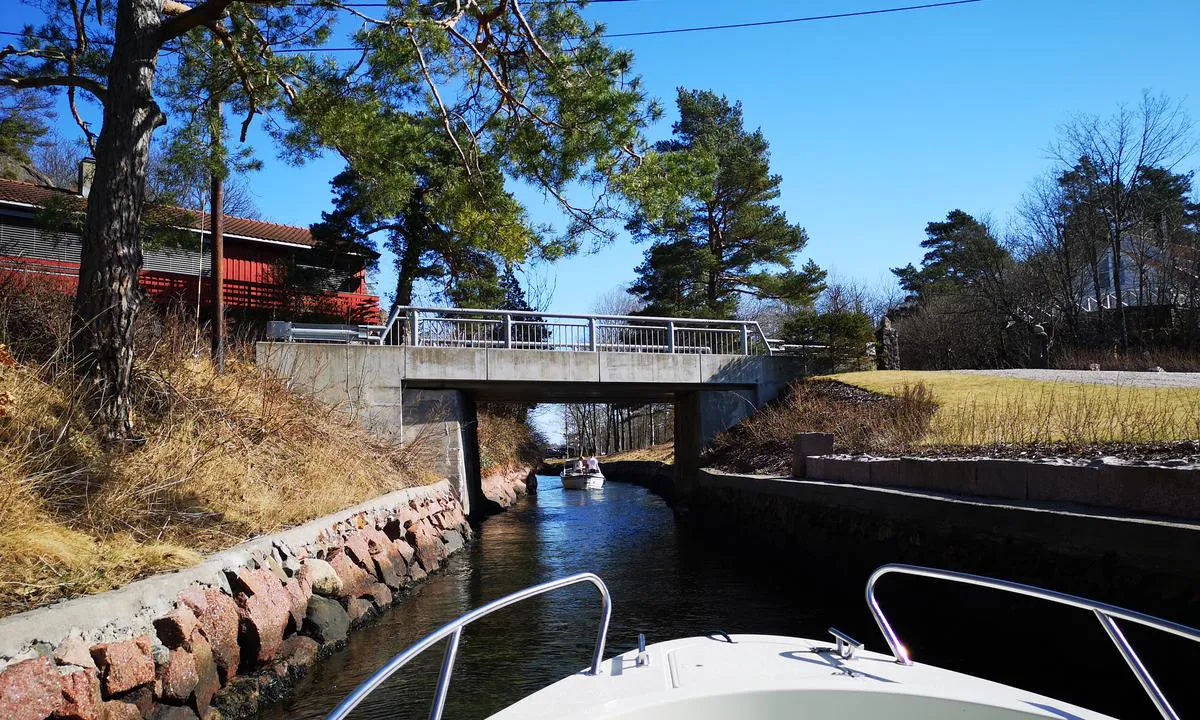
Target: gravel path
1101	377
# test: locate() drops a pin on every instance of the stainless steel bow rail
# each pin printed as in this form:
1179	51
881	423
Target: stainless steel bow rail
1105	613
454	630
526	330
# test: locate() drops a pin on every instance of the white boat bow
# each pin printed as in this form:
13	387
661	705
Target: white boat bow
760	677
766	676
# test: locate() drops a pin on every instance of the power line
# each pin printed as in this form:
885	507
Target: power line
810	18
644	33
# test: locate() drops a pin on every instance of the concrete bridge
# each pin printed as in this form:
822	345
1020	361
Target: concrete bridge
420	375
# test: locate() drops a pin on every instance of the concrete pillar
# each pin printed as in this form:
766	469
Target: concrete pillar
699	416
806	445
440	428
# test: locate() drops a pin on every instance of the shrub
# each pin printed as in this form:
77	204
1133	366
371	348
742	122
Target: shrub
860	421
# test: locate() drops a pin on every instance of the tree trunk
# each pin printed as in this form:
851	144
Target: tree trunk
106	303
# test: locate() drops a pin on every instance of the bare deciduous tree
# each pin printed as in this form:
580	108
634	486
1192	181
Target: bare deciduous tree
1120	148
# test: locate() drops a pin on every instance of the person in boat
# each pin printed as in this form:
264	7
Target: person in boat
593	465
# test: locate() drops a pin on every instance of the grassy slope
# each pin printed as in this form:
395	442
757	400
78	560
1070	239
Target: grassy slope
981	410
224	458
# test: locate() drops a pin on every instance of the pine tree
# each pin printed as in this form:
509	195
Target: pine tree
705	198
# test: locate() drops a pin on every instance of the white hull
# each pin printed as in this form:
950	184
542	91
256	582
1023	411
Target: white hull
582	481
763	676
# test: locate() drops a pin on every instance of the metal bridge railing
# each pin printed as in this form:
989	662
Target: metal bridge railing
525	330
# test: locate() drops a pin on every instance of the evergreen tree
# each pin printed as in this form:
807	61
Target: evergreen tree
705	199
960	253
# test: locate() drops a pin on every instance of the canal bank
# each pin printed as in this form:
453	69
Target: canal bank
234	633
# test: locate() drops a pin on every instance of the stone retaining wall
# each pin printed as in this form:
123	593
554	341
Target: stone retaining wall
505	485
214	640
1137	489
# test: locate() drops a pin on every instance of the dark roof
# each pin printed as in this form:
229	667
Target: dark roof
30	194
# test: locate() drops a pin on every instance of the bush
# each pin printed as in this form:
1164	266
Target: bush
861	422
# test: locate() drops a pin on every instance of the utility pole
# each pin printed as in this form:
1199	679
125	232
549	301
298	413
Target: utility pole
217	229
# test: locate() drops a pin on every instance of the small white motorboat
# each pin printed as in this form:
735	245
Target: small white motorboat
760	677
577	478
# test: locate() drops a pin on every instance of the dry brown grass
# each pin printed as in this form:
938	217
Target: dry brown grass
984	410
222	458
663	453
861	422
506	438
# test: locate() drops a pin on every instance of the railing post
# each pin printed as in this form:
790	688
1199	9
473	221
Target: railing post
508	327
414	326
745	339
670	336
592	344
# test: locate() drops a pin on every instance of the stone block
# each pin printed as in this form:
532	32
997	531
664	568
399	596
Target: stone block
176	628
323	578
208	680
80	696
884	472
355	580
1005	479
380	595
325	620
1173	492
262	619
74	651
808	444
124	665
217	614
118	710
848	470
30	690
956	477
297	601
1047	482
299	653
172	712
178	677
359	610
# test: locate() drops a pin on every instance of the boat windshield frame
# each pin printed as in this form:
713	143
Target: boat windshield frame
454	629
1105	613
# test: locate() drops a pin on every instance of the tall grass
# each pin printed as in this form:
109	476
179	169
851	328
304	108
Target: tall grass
861	422
1069	414
220	458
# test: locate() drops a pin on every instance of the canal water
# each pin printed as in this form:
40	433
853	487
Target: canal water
669	580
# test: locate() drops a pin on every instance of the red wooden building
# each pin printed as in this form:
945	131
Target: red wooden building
272	271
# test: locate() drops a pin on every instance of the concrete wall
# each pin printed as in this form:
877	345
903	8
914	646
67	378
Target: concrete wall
1141	563
1131	489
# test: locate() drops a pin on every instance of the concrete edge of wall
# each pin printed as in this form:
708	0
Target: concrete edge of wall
1137	489
1155	543
131	609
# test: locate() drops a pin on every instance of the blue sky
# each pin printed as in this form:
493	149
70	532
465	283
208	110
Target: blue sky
877	124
